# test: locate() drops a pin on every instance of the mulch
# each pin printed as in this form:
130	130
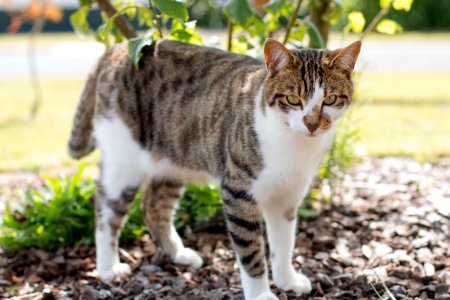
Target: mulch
387	236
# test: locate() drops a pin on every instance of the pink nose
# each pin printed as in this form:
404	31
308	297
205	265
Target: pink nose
312	126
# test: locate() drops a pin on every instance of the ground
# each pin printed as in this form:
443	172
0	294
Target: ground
385	237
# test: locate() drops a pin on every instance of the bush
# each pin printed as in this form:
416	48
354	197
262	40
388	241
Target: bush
62	213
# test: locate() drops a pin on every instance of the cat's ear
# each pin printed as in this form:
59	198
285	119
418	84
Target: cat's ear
346	57
277	56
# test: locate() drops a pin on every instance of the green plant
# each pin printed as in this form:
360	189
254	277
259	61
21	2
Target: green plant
199	203
61	213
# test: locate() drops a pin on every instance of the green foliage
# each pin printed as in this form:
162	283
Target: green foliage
356	22
390	27
135	226
185	32
238	11
422	14
136	45
199	203
173	8
314	34
60	214
79	22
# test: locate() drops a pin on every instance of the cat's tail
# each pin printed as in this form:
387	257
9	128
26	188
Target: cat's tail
81	141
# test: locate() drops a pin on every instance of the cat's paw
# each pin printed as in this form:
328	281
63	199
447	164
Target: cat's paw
118	271
298	283
189	257
266	296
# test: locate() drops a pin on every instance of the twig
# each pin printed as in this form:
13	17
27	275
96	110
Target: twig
32	65
375	21
127	256
230	35
123	24
292	21
384	286
155	18
27	296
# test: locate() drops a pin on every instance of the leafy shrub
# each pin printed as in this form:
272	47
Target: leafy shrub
59	214
62	213
199	203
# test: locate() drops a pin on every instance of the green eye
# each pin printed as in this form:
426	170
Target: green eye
329	100
294	100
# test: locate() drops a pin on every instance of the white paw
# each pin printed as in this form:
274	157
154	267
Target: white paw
118	271
299	283
266	296
189	257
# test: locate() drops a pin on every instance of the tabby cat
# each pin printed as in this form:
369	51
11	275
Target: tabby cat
192	113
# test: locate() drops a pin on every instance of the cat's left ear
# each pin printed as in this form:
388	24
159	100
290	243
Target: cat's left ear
346	57
277	56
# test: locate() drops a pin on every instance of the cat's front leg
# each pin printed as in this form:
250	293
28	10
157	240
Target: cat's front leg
281	220
244	224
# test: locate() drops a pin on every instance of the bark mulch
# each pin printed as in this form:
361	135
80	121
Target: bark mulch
386	237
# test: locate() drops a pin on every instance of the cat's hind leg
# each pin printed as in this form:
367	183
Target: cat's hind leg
121	174
160	201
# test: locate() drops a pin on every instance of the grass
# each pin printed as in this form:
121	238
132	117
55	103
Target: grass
40	143
405	114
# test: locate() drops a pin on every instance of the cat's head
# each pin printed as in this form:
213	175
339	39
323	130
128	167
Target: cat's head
309	89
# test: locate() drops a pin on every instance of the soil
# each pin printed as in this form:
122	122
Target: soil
387	236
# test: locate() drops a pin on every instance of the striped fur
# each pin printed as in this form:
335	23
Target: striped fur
191	112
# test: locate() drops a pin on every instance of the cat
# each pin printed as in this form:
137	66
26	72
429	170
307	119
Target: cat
192	113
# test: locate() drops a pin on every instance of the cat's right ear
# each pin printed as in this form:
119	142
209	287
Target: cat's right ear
277	56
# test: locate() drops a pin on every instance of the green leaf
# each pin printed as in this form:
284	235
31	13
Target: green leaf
238	11
389	27
79	22
356	21
144	17
385	3
314	35
274	6
185	32
173	8
402	4
136	45
85	2
297	32
307	213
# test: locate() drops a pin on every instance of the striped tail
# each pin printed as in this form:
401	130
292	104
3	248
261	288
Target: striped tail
81	141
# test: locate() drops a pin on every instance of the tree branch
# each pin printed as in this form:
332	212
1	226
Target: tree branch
375	21
32	64
120	21
292	21
230	35
155	17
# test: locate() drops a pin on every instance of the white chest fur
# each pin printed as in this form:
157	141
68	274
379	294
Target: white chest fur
291	159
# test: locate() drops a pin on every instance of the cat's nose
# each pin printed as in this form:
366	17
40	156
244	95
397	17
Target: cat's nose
311	125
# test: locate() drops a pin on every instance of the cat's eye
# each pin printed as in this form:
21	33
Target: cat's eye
329	100
294	100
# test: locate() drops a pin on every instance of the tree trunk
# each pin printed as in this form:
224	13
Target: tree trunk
323	26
